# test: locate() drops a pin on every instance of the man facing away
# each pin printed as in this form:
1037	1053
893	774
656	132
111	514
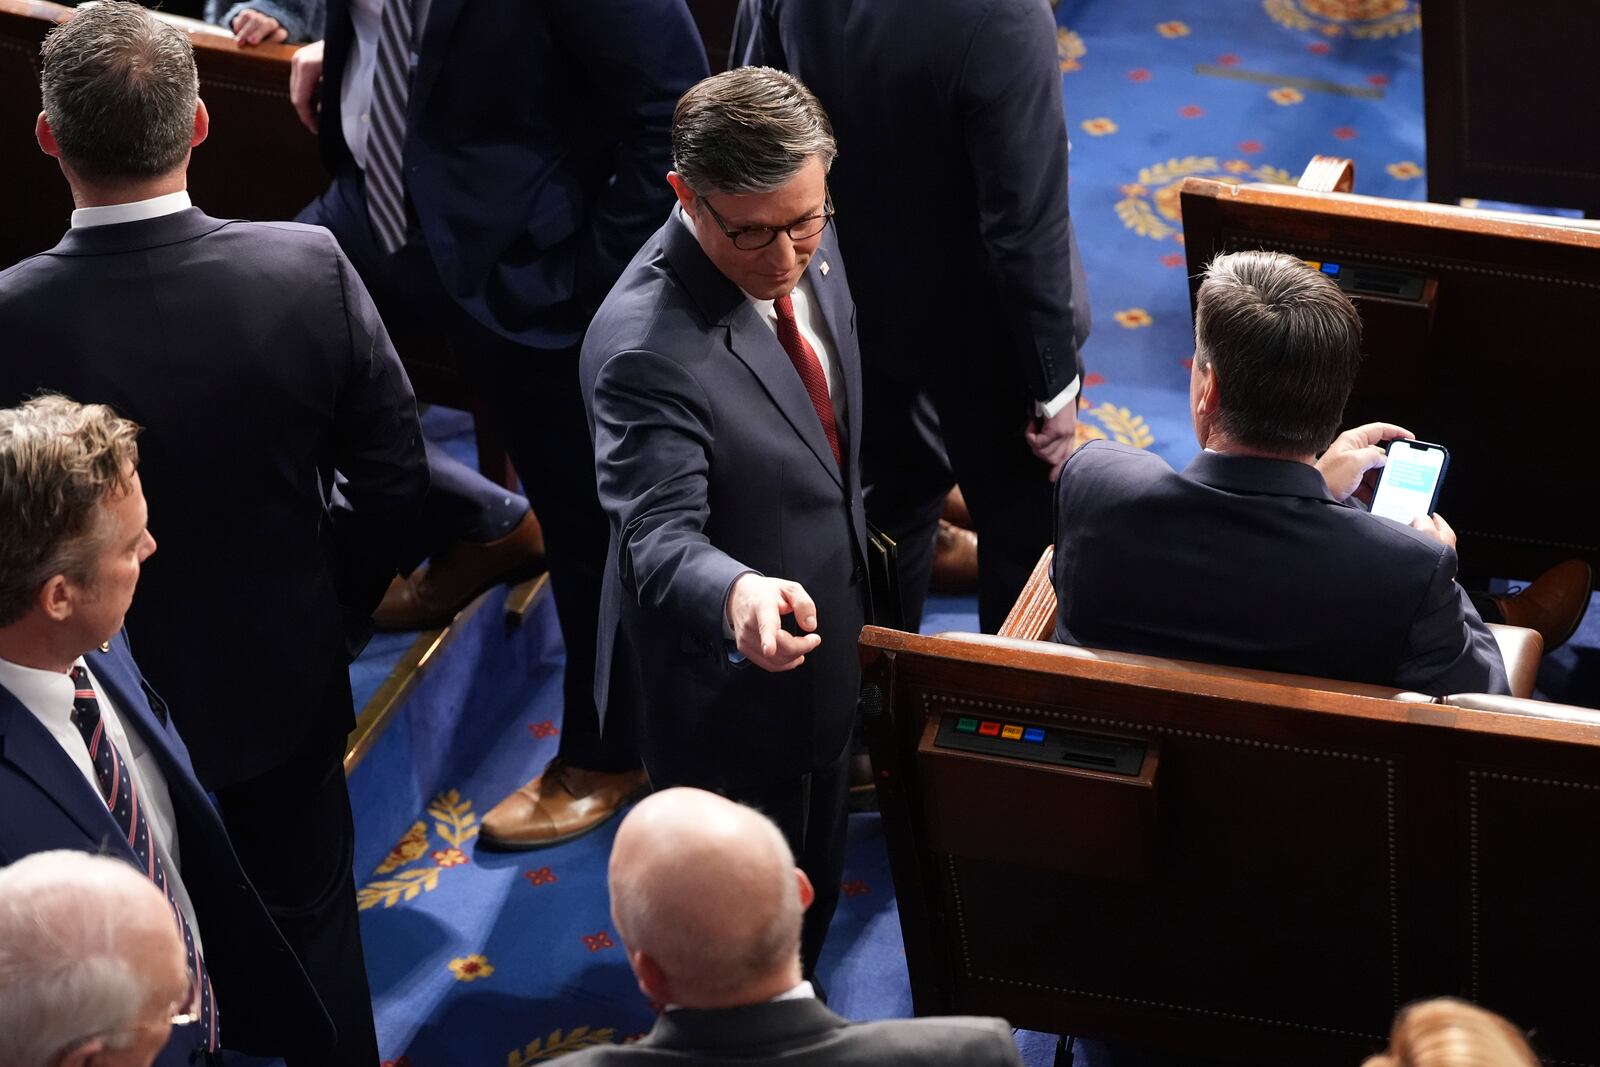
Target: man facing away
1253	556
256	363
92	968
708	901
90	760
724	387
952	190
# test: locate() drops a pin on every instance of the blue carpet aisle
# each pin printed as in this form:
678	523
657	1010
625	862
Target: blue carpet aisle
487	958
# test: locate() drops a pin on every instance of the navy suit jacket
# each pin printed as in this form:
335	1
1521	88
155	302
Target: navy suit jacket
711	461
804	1033
536	141
951	181
1250	563
256	363
266	1005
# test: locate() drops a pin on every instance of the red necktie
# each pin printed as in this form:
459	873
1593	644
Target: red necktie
809	368
122	798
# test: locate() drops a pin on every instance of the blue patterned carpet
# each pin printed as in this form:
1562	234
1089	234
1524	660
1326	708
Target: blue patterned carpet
493	959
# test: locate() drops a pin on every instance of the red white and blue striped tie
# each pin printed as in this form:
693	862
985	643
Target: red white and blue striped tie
122	799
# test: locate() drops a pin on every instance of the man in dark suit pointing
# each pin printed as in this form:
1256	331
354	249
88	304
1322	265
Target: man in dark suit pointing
724	387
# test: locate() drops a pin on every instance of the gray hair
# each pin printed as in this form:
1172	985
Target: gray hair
59	463
748	130
119	91
701	946
63	918
1285	343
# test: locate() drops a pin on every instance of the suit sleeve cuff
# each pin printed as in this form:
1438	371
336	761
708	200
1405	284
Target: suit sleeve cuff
1049	409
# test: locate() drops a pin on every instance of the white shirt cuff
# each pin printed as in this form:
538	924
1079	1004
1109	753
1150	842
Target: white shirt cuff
1049	409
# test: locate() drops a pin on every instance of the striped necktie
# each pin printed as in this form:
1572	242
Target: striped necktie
386	138
806	364
122	799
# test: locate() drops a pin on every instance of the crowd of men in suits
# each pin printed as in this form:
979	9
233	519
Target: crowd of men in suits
648	286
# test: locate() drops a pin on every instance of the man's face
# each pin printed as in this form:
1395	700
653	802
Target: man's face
100	605
773	271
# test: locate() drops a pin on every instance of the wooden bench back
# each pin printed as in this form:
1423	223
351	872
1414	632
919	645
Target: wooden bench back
1278	870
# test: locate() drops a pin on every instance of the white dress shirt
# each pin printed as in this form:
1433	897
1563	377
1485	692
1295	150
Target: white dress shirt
134	211
361	66
48	696
803	991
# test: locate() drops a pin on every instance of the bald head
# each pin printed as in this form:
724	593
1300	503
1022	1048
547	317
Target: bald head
88	949
706	896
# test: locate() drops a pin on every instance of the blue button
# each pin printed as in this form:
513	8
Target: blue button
1331	269
1033	734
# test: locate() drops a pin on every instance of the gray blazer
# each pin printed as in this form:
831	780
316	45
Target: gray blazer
800	1033
710	462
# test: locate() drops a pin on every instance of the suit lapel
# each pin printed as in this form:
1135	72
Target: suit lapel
838	312
750	340
26	745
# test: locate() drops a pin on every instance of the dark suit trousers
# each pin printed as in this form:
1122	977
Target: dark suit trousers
295	837
917	442
534	398
813	815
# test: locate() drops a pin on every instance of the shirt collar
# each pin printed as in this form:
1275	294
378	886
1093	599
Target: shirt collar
134	211
803	991
47	694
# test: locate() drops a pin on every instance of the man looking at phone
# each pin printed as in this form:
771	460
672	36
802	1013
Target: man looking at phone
1253	556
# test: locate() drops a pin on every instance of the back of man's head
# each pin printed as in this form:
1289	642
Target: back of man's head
706	897
1285	345
748	130
59	462
119	90
87	943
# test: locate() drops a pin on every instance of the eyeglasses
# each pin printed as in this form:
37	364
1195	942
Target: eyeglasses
182	1012
753	237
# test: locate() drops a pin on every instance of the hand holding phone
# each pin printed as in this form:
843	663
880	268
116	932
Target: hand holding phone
1411	478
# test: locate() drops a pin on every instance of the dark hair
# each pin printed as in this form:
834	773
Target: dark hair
1285	344
119	90
748	130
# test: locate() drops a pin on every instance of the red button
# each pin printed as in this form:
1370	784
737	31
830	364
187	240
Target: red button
989	729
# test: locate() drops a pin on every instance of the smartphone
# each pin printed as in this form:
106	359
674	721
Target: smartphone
1410	483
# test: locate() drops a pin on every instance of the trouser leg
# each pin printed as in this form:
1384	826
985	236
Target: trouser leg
811	813
295	837
906	478
535	396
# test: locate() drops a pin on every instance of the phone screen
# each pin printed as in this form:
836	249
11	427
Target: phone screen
1410	481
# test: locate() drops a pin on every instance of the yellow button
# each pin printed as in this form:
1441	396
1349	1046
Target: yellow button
1011	733
1313	264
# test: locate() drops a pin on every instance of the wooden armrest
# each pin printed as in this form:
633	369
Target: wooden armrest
1033	616
1521	649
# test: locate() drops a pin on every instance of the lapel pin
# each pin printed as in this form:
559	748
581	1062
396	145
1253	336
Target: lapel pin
105	646
824	268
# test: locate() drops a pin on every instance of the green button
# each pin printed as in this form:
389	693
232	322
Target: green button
967	726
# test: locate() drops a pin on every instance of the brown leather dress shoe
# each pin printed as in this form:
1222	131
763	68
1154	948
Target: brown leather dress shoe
430	596
955	560
955	509
561	804
1552	603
